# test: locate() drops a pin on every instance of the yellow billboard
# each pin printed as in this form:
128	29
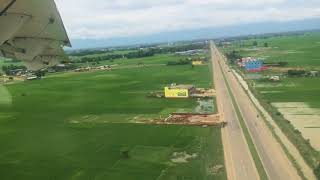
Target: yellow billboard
176	93
197	63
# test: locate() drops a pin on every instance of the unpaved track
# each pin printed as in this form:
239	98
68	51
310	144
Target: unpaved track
274	160
238	159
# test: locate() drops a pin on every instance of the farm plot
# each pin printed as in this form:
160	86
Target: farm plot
79	126
304	118
298	51
5	96
298	101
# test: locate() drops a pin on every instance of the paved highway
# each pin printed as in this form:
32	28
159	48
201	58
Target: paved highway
274	160
238	159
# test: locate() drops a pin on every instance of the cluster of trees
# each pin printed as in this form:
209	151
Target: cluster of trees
150	51
140	54
233	56
255	43
10	69
40	74
180	62
99	58
88	52
296	73
317	171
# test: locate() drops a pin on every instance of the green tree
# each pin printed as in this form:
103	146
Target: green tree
233	56
40	73
255	43
266	45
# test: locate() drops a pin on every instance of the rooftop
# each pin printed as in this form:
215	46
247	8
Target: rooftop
181	86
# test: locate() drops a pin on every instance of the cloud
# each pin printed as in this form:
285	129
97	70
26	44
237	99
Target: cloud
96	19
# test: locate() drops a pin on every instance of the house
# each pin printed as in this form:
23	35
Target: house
191	52
274	78
178	91
314	73
197	62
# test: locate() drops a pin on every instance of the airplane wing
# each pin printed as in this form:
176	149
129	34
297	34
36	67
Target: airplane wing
32	31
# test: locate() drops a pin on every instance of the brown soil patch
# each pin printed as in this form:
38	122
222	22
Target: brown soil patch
202	93
303	118
182	157
192	119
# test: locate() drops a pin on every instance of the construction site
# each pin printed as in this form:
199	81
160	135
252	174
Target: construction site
202	115
191	119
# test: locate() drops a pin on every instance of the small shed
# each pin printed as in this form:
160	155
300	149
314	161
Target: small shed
274	78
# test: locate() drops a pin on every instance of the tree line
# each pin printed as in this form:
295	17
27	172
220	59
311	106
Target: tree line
130	55
138	54
233	56
173	49
179	62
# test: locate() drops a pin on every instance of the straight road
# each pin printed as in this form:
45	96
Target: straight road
274	159
239	162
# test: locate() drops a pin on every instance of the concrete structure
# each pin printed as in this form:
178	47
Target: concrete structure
197	62
32	77
191	52
274	78
314	73
178	91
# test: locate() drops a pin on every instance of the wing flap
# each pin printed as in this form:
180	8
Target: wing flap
32	31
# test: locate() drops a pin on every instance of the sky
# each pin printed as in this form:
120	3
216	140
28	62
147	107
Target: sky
105	19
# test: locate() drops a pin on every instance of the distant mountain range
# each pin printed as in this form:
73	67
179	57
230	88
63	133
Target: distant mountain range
205	33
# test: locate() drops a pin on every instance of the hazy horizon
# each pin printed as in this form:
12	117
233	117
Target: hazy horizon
99	23
205	33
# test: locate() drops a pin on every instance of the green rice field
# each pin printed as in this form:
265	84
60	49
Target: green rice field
77	126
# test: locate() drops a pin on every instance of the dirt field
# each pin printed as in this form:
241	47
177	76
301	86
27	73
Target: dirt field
304	118
192	119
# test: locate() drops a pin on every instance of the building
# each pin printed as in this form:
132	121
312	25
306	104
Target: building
274	78
314	73
252	64
178	91
31	77
191	52
197	62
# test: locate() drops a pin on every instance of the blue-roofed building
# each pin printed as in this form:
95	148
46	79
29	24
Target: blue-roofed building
251	65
